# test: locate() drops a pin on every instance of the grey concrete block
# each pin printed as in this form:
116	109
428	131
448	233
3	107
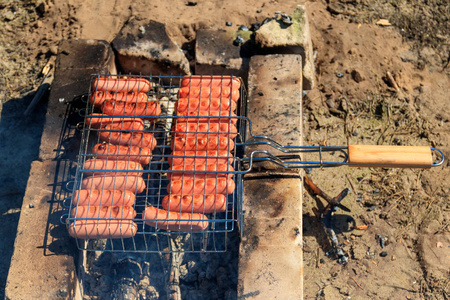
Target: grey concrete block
145	48
215	54
277	37
275	104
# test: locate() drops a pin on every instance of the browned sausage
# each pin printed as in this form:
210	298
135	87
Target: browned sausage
99	120
142	109
208	105
99	97
102	229
201	186
204	129
202	117
102	198
179	173
197	203
174	221
120	85
103	212
216	81
111	166
202	143
209	92
133	184
140	139
142	155
212	157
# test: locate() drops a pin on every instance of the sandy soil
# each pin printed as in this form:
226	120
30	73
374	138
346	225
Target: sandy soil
353	102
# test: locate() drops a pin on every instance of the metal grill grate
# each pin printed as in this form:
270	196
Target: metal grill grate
143	134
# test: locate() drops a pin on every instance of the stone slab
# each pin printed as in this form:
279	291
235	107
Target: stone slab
43	264
275	103
146	48
215	54
270	256
278	37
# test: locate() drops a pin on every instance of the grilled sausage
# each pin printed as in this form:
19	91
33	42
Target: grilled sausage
202	143
199	186
133	184
197	203
111	167
102	229
103	198
140	139
204	129
142	109
174	221
209	92
99	120
204	117
99	97
208	105
212	157
103	212
141	155
120	85
210	81
179	171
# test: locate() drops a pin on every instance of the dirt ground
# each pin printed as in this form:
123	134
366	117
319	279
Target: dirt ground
355	101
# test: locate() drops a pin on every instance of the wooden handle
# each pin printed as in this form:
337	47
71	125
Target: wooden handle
390	156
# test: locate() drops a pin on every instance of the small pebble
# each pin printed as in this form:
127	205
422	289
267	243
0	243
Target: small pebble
372	208
31	205
304	93
228	23
355	133
191	3
359	178
243	28
259	11
238	41
339	75
322	261
383	254
278	12
376	191
308	170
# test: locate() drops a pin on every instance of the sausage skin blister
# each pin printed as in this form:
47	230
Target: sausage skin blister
103	198
174	221
111	167
121	85
99	97
102	229
142	155
196	203
134	184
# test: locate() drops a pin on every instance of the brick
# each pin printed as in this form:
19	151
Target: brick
43	265
215	54
275	103
276	37
145	48
270	255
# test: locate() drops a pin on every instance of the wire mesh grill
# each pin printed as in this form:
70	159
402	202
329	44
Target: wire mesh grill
158	161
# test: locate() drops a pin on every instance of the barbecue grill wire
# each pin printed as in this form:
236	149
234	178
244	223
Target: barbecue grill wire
157	239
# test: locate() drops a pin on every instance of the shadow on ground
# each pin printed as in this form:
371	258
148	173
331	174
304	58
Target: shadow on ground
19	145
